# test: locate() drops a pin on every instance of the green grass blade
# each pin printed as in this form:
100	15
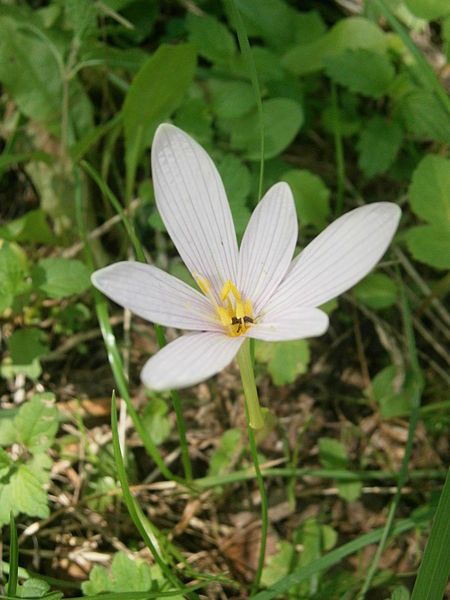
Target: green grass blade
11	588
251	67
140	255
428	76
416	394
135	512
435	567
112	349
336	556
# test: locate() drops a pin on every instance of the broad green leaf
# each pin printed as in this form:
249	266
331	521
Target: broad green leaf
267	64
32	227
309	26
126	574
283	119
389	393
37	588
429	192
376	291
272	20
277	565
286	360
222	457
37	423
423	116
194	116
311	197
211	38
22	493
231	99
430	244
30	71
60	277
400	593
333	455
11	275
347	34
378	146
429	9
361	70
26	345
154	94
156	420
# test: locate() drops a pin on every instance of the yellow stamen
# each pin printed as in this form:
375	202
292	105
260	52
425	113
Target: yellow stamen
224	316
203	284
235	314
248	309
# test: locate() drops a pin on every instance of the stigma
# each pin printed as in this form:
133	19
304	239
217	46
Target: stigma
235	314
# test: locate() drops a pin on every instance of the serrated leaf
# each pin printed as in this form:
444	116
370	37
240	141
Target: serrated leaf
211	38
286	360
362	71
273	20
283	119
37	422
23	493
311	197
424	116
376	291
277	565
429	192
156	420
225	452
378	146
430	244
60	277
350	33
127	574
194	117
388	391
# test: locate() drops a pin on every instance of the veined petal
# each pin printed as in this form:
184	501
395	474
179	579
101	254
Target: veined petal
156	296
193	205
293	324
339	257
268	245
190	359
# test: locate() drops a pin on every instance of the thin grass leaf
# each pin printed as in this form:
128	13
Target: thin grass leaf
435	567
416	394
133	509
140	255
111	347
428	76
336	556
11	587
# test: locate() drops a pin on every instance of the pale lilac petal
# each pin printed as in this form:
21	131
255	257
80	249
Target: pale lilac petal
292	324
268	245
193	205
156	296
339	257
190	359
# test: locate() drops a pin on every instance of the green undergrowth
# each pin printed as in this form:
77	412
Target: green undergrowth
148	501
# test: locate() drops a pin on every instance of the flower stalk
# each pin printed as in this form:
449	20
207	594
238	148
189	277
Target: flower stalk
255	416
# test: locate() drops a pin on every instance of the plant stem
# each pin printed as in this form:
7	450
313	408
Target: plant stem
255	420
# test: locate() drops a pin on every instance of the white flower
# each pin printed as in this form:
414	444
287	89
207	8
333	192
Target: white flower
256	291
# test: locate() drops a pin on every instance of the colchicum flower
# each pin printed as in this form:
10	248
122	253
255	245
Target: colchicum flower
256	291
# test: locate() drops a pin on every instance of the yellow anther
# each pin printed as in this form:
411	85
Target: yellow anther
240	313
225	290
224	316
248	309
235	291
203	284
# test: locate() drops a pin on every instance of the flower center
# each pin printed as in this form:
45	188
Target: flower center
234	313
